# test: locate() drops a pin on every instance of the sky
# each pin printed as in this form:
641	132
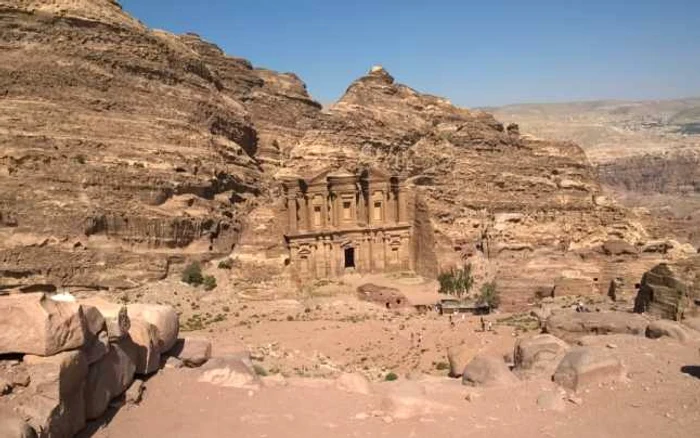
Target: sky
484	53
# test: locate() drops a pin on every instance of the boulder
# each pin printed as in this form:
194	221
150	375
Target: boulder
571	325
11	426
407	399
34	324
354	382
618	247
193	352
115	315
94	321
668	290
459	356
107	379
231	371
163	317
54	404
587	366
143	346
134	394
97	347
487	371
671	329
538	355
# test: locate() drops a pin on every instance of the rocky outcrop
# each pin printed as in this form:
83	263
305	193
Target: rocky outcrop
570	325
137	144
124	151
75	378
36	324
669	290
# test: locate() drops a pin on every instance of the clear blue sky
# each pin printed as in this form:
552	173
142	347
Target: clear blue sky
480	53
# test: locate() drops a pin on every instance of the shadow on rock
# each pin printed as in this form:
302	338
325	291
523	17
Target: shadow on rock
691	370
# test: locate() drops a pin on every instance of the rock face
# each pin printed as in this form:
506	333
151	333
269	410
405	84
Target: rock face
55	403
107	379
150	147
163	318
35	324
587	366
647	153
77	376
670	289
139	140
570	325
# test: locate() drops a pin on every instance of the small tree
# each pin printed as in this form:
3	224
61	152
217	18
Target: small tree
490	296
457	282
193	274
209	282
225	264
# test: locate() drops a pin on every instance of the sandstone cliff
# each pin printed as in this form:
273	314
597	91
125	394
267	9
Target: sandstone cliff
122	147
124	150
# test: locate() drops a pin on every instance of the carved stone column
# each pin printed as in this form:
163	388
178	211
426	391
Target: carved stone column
292	214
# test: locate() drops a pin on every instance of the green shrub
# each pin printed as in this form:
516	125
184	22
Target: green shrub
209	282
442	366
457	282
390	377
225	264
490	295
193	274
259	370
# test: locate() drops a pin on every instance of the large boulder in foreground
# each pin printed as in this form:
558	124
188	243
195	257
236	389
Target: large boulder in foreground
35	324
538	355
587	366
488	371
163	317
107	379
571	325
54	403
116	318
142	345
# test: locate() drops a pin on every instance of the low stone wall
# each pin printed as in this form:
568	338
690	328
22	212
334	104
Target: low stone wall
63	362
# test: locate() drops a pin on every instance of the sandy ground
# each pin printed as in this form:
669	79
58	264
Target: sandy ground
302	341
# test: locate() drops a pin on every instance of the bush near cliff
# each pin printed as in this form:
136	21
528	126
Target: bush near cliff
457	282
490	295
193	274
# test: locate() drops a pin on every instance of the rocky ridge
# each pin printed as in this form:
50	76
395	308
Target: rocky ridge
126	151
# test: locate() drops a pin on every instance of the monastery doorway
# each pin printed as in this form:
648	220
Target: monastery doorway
349	258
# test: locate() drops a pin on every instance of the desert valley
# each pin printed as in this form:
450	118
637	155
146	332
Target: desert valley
191	245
